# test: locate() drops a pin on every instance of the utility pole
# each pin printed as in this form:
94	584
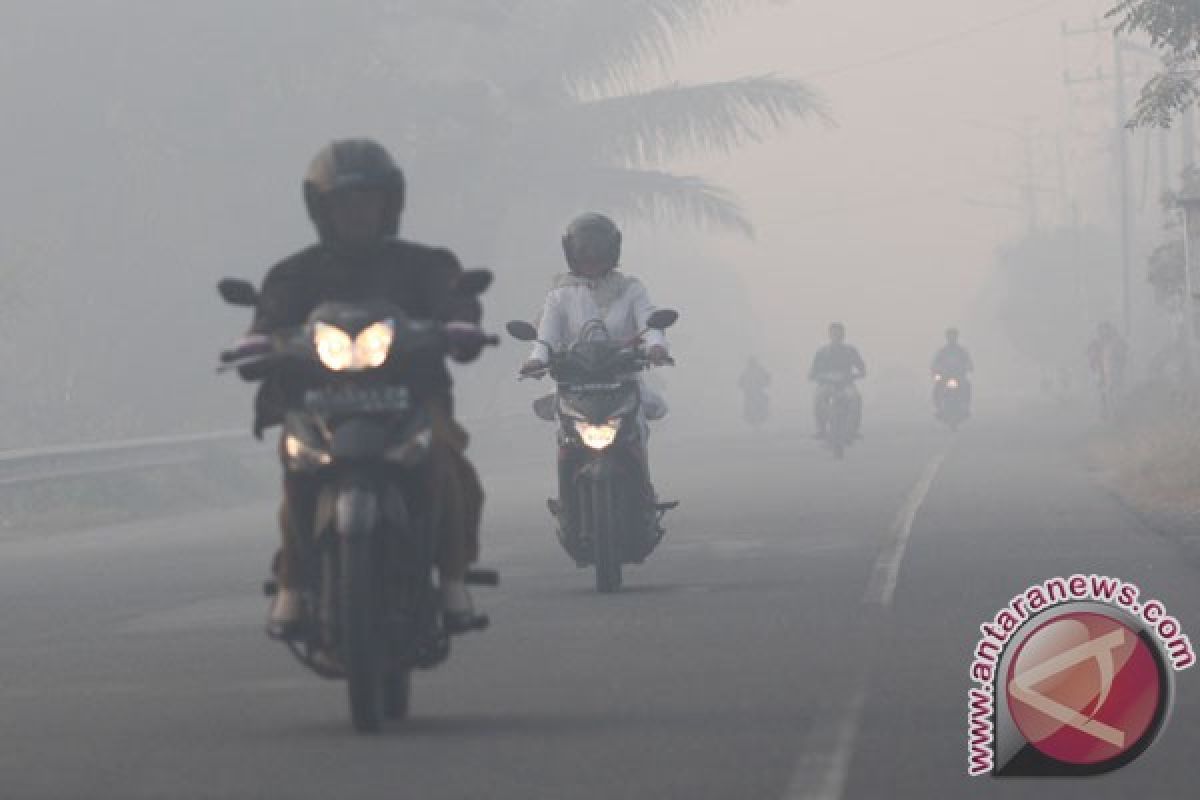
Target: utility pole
1187	145
1028	186
1121	146
1122	134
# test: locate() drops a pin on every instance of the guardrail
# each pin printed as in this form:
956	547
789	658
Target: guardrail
37	465
34	465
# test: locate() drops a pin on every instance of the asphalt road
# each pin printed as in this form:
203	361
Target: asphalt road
803	632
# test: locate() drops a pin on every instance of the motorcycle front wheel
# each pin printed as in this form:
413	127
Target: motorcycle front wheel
602	531
362	644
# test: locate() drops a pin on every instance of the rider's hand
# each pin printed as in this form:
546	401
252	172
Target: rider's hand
532	366
658	355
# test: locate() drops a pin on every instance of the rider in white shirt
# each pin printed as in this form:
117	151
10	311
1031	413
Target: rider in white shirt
594	289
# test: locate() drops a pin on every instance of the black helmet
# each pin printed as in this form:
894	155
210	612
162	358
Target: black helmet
353	164
592	238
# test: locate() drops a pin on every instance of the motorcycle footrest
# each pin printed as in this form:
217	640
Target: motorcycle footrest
554	506
482	577
456	625
668	506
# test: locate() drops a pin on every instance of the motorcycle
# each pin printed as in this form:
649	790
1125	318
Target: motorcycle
756	407
953	399
371	611
607	515
837	395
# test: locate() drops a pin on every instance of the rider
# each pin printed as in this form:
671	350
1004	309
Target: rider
1107	354
837	359
754	382
951	361
594	289
355	194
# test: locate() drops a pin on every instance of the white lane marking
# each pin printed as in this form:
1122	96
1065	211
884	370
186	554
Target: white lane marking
823	768
882	585
824	765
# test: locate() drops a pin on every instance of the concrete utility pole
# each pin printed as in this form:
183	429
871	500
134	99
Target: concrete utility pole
1121	142
1187	144
1028	186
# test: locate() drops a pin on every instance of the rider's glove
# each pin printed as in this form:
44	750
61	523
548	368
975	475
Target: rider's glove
658	355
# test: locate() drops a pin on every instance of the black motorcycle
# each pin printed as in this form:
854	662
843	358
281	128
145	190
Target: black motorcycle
953	399
837	395
606	511
372	613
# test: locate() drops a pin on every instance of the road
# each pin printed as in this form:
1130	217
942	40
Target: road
803	632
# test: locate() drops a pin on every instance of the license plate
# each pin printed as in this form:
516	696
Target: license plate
358	400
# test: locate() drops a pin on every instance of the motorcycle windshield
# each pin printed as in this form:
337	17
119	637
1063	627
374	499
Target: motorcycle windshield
597	404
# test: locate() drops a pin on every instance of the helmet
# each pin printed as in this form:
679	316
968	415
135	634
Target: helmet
592	238
353	164
951	334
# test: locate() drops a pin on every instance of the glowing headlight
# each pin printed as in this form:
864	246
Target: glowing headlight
300	452
598	437
952	383
334	347
937	378
373	344
339	352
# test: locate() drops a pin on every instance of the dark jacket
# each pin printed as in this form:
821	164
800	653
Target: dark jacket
953	360
417	278
837	358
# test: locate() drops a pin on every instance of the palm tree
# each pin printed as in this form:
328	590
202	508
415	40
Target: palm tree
542	101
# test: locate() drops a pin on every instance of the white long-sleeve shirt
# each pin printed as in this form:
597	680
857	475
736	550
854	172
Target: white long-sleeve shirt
618	300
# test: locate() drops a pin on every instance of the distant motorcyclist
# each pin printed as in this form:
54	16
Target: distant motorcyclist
754	382
355	194
952	361
1107	356
837	361
594	288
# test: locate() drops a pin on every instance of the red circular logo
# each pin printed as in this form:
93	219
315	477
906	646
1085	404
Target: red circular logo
1085	688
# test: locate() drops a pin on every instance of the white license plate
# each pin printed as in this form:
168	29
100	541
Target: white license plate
358	400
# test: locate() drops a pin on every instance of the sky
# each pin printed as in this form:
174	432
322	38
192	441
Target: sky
891	219
158	146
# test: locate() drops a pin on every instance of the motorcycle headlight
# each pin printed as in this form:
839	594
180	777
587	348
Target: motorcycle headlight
937	378
334	347
952	383
372	346
338	352
302	454
598	437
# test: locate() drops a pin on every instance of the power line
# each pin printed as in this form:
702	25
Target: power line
940	41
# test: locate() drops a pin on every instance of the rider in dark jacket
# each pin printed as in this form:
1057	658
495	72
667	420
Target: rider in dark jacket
355	194
951	361
837	363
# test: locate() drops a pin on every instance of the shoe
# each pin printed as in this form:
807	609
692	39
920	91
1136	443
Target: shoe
458	611
286	616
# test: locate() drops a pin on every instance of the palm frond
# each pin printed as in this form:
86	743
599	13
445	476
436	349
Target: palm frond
651	127
592	45
635	195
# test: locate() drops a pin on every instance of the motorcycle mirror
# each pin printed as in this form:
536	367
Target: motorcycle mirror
521	330
473	282
662	319
238	292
